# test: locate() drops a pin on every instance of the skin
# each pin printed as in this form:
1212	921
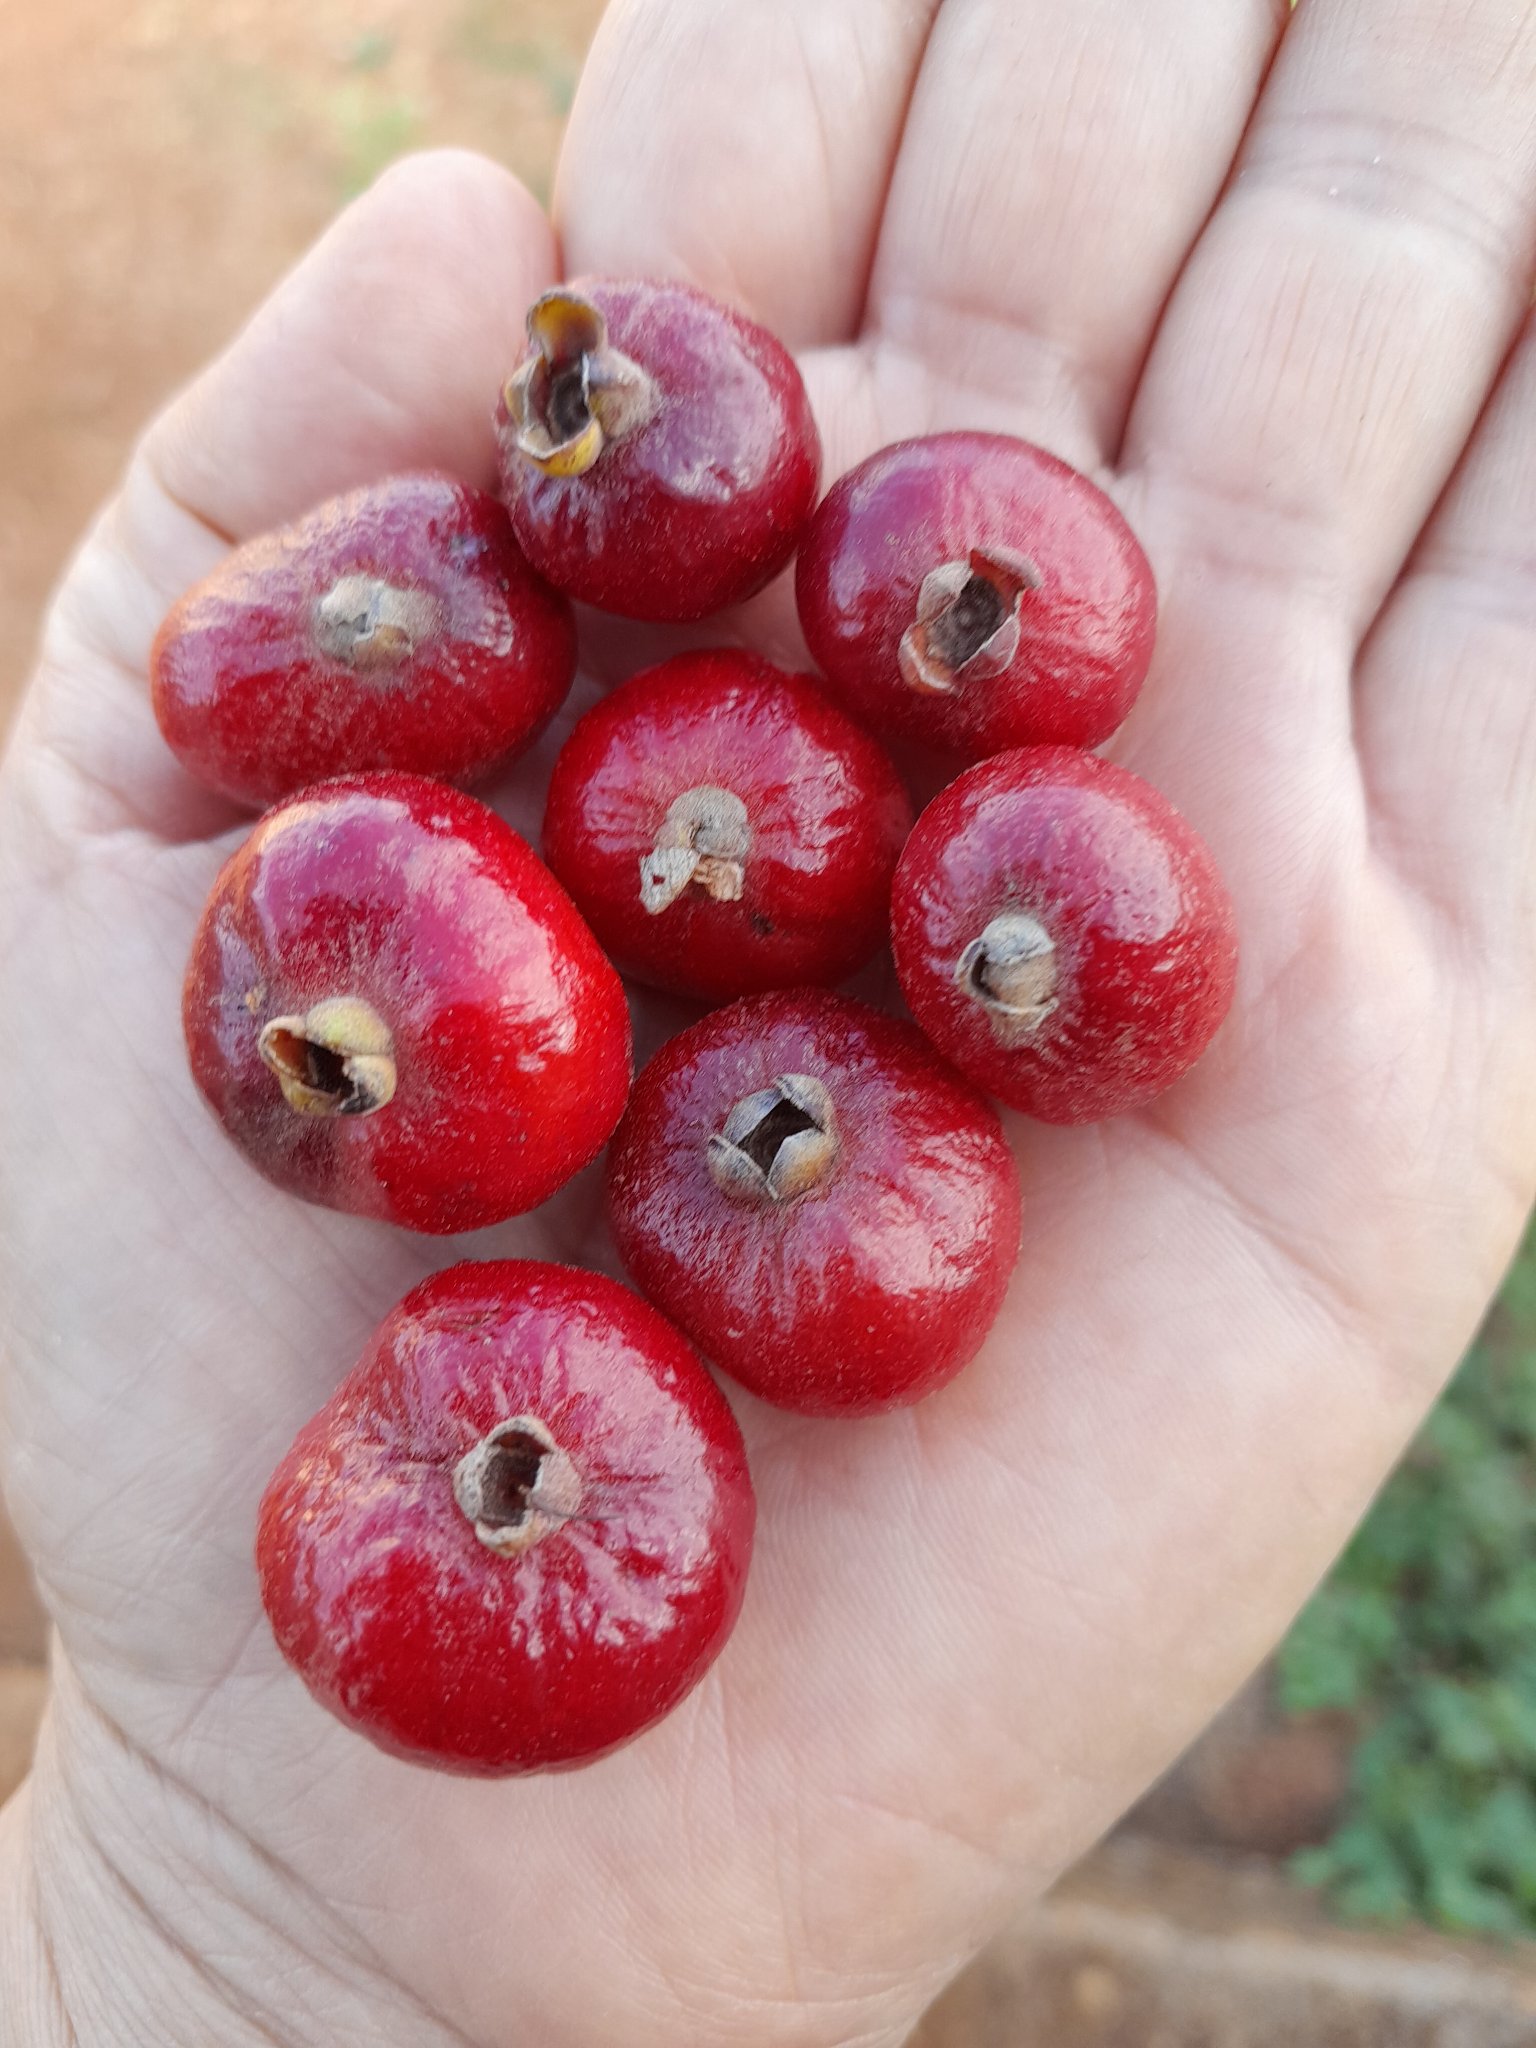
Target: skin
1233	1309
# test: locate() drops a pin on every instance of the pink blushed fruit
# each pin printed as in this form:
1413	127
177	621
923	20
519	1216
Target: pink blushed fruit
822	1204
973	593
394	1009
724	828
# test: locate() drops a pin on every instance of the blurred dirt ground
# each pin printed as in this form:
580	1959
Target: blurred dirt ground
161	164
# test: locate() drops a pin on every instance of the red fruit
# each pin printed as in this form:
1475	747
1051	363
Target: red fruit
826	1209
972	592
725	829
393	1008
1062	934
658	454
397	627
519	1532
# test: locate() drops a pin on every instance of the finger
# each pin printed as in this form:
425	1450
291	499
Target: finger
743	149
1344	315
1446	715
382	351
1056	165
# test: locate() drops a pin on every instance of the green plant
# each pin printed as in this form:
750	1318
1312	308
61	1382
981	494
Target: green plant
1426	1634
370	127
483	41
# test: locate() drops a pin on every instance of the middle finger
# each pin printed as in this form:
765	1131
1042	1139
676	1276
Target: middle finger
1056	164
1338	328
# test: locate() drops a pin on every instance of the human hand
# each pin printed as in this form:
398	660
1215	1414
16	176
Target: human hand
977	1629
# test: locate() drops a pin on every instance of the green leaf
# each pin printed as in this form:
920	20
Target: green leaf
1460	1725
1426	1634
1463	1906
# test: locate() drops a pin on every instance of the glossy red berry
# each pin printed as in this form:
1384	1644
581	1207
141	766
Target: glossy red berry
826	1208
396	627
519	1533
394	1008
971	592
724	828
1062	934
658	454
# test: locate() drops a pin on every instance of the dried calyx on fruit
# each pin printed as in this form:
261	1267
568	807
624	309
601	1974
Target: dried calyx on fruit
338	1059
576	392
776	1143
517	1485
967	622
701	842
372	625
1010	968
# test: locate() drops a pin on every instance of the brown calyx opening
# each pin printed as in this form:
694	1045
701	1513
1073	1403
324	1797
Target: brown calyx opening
1011	969
510	1475
336	1060
967	623
702	841
517	1486
575	393
779	1142
372	625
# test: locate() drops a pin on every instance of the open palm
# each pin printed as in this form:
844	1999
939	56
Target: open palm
975	1630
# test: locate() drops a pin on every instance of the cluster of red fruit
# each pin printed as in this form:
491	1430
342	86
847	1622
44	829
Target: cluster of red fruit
519	1532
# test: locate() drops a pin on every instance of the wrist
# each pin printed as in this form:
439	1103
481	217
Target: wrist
135	1914
31	2011
107	1907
